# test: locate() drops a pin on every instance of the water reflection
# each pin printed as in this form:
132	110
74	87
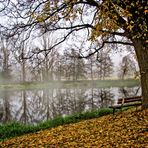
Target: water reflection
33	106
5	108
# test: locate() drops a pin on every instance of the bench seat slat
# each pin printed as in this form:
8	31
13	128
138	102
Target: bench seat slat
118	106
136	97
115	106
127	101
132	104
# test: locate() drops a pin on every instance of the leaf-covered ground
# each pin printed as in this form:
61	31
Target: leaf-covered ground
127	129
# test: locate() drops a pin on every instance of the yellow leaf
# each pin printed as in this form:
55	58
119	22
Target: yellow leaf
130	27
146	11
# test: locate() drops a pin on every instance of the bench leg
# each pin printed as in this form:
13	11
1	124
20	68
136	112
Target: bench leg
136	107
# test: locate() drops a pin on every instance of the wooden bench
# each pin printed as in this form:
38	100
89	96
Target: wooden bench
126	102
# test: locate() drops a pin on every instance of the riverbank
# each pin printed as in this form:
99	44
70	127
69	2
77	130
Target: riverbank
70	84
126	129
14	129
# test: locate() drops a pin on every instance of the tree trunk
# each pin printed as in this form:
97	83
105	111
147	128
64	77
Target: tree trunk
142	57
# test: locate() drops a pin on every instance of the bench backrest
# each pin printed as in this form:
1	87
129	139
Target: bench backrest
129	99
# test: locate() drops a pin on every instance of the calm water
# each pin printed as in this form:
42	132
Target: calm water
32	106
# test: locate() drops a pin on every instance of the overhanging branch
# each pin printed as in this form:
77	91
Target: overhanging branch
103	44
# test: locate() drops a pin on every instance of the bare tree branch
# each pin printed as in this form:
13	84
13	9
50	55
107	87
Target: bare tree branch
103	44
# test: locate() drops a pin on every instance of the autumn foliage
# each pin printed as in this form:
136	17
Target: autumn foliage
127	129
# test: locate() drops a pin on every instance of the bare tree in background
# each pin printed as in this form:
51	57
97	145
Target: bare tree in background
20	56
5	60
127	67
75	67
104	65
91	66
42	65
48	57
109	22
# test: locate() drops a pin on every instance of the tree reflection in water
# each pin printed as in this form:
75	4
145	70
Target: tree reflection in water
5	108
33	106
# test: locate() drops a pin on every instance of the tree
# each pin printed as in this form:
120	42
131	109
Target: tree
43	63
48	57
59	66
20	52
90	66
127	67
104	65
75	67
5	61
103	21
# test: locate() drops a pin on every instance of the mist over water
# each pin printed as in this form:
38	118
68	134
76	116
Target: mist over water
33	106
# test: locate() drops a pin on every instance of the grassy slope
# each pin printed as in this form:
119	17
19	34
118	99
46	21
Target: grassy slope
128	129
14	129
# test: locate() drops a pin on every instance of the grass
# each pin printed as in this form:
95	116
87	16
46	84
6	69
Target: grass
70	84
127	129
16	129
118	83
